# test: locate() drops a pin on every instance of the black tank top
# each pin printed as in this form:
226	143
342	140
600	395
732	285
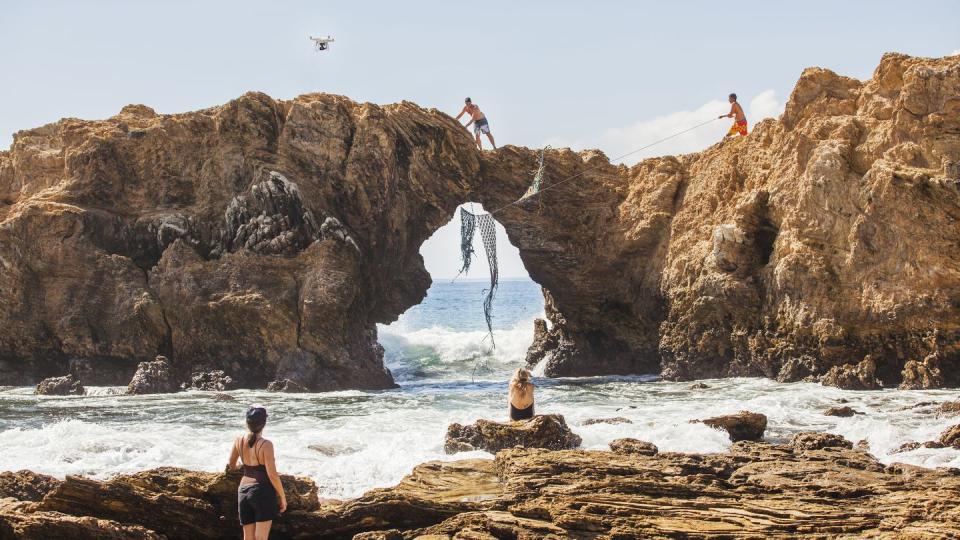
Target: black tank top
256	472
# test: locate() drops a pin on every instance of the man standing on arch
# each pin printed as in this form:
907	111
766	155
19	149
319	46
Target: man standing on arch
479	121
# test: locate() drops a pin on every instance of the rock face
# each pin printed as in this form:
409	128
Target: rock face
743	426
862	376
819	488
154	377
67	385
215	381
542	431
267	238
922	375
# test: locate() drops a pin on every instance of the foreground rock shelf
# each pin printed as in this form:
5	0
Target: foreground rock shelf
815	487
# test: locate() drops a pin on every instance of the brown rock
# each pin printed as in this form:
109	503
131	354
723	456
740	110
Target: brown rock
613	420
541	431
22	520
26	485
633	446
211	381
951	437
922	375
154	377
67	385
949	408
908	446
809	440
287	386
854	377
844	412
743	426
223	397
699	386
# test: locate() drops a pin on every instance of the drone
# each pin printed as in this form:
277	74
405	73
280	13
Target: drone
322	43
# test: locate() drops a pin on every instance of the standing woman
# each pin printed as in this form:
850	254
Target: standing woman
521	395
260	496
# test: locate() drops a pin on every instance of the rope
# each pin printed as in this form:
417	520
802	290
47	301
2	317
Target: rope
585	171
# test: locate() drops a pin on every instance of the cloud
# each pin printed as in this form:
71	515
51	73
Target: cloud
955	53
621	140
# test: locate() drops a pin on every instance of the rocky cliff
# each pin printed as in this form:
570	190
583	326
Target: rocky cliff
824	236
267	238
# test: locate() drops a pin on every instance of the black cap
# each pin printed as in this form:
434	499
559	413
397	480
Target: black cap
466	100
256	413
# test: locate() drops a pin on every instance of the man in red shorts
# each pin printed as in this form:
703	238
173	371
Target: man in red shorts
740	122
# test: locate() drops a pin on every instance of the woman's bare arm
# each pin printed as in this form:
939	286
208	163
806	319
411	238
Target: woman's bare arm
271	464
234	456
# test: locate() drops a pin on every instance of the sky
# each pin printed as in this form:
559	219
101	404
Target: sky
613	75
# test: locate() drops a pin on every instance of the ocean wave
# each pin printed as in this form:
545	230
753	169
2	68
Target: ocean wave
442	352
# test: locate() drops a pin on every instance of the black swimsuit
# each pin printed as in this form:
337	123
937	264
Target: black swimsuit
521	414
256	501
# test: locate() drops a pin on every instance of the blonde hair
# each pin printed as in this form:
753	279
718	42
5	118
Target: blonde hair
521	378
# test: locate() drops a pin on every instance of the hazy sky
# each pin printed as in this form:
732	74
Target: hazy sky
614	75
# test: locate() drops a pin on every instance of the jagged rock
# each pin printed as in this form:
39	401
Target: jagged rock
154	377
633	446
223	397
214	381
67	385
949	408
287	386
922	375
912	445
743	426
541	431
844	412
26	485
699	386
863	445
854	377
613	420
22	520
951	437
803	368
810	440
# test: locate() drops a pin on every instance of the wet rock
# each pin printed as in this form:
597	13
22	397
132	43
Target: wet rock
951	437
154	377
863	445
844	411
810	440
542	431
633	446
223	397
613	420
67	385
23	521
923	375
214	381
803	368
862	376
331	450
949	408
913	445
287	386
743	426
699	386
26	485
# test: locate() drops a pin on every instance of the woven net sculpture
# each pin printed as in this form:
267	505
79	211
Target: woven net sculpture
469	223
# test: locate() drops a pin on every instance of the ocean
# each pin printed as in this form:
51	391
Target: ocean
448	371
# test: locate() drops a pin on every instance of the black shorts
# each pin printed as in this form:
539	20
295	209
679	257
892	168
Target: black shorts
257	502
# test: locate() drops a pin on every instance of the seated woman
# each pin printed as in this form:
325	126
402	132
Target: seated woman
260	496
521	395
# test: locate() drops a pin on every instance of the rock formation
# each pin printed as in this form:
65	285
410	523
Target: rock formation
862	376
153	377
267	238
844	411
815	487
542	431
215	381
743	426
67	385
922	375
633	446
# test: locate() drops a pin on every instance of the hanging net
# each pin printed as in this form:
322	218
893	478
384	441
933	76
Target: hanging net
537	177
469	223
